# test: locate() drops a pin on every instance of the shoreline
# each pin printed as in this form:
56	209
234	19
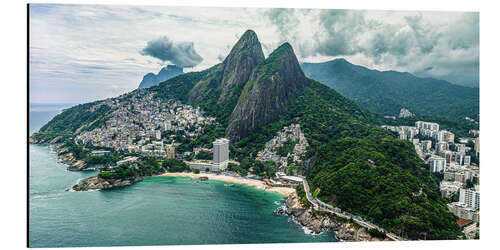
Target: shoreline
285	191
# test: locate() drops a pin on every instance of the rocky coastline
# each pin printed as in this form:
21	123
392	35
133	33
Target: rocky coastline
97	183
91	183
344	231
64	155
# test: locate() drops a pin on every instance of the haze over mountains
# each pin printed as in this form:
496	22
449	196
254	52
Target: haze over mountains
386	92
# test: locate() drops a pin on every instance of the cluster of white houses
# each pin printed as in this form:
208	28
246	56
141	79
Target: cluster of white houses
291	133
137	123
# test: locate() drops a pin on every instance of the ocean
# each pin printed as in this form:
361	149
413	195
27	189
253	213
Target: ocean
155	211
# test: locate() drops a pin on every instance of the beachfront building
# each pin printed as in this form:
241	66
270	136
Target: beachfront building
221	153
220	157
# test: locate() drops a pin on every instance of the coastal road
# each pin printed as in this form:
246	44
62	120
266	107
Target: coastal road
321	206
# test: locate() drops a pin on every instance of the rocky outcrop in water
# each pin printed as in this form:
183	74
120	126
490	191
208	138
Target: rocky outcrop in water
97	183
320	223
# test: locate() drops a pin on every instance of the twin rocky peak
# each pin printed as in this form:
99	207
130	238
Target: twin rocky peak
257	90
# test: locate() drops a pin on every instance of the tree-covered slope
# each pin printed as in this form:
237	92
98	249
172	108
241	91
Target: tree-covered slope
386	92
360	167
71	119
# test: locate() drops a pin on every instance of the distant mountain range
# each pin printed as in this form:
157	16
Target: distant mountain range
165	73
386	92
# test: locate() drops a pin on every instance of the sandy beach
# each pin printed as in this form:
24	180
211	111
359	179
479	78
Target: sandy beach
249	182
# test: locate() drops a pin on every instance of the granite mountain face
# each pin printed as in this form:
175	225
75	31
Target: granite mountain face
266	95
238	65
225	81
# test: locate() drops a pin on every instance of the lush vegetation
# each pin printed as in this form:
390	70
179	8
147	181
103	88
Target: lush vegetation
361	168
75	117
302	195
367	171
173	165
177	88
204	155
146	166
238	169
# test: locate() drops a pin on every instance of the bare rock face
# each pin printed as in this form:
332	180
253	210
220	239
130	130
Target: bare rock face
238	65
266	95
225	81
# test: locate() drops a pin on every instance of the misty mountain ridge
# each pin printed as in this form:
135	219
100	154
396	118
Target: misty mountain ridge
151	79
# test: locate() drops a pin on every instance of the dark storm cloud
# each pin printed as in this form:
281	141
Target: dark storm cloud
181	54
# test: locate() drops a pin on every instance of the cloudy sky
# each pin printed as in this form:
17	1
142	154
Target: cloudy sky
81	53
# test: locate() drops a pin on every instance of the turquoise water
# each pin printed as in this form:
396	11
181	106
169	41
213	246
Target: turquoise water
155	211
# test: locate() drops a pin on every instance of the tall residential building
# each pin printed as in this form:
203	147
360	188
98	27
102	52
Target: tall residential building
167	126
445	136
441	147
470	198
221	152
170	150
437	164
427	125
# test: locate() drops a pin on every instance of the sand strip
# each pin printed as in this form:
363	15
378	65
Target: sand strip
244	181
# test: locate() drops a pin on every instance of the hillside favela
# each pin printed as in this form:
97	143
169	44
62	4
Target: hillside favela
261	134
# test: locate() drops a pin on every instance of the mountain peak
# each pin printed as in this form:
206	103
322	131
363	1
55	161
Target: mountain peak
237	67
267	94
151	79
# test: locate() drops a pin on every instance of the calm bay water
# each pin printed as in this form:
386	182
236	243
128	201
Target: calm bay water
155	211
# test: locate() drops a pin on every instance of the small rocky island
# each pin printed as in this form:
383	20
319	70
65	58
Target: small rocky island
98	183
345	231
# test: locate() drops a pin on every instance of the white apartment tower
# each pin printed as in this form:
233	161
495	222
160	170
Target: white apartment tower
437	164
221	152
470	198
427	125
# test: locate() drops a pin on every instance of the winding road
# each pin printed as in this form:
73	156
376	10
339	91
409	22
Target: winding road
321	206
